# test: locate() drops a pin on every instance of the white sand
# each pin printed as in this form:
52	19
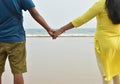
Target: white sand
66	60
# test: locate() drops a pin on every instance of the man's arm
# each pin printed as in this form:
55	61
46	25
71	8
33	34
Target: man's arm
34	13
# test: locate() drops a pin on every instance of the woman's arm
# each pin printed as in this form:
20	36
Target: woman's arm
62	29
88	15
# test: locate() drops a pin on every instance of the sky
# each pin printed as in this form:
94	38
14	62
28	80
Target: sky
57	13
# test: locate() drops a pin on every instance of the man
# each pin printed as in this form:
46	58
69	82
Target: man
12	35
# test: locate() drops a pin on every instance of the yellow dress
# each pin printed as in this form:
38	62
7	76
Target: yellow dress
107	39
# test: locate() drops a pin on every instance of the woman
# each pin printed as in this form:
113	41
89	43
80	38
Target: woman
107	37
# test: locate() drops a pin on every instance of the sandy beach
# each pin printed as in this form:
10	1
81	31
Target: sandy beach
66	60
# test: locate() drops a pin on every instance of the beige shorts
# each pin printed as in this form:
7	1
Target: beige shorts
16	54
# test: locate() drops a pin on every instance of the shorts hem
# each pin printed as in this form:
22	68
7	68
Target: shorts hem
19	72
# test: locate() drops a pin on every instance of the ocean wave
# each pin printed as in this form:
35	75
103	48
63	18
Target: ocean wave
63	35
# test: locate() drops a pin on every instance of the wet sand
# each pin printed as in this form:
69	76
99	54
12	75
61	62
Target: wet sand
66	60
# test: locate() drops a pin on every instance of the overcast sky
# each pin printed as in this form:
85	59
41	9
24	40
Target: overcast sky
59	12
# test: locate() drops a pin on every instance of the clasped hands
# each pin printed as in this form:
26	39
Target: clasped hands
55	33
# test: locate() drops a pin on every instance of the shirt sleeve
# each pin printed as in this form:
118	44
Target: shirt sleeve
91	13
27	4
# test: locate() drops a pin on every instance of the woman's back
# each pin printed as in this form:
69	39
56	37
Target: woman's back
105	26
107	44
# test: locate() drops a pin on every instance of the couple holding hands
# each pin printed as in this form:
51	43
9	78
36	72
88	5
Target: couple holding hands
55	33
107	36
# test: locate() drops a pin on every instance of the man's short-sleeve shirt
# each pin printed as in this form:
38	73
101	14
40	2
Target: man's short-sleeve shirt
11	28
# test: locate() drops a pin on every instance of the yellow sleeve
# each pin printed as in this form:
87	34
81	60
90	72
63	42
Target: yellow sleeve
91	13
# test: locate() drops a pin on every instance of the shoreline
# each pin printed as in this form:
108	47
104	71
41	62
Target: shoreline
28	36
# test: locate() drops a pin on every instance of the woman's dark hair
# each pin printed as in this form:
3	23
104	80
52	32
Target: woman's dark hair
113	8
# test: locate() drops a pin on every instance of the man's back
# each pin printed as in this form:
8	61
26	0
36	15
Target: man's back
11	28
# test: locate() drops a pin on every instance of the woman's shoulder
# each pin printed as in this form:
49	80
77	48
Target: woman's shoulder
100	4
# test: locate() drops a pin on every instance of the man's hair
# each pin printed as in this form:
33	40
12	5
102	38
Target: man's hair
113	9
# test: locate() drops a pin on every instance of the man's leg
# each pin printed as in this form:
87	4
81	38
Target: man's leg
3	57
17	59
18	79
0	78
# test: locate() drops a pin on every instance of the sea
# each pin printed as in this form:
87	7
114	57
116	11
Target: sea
40	32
